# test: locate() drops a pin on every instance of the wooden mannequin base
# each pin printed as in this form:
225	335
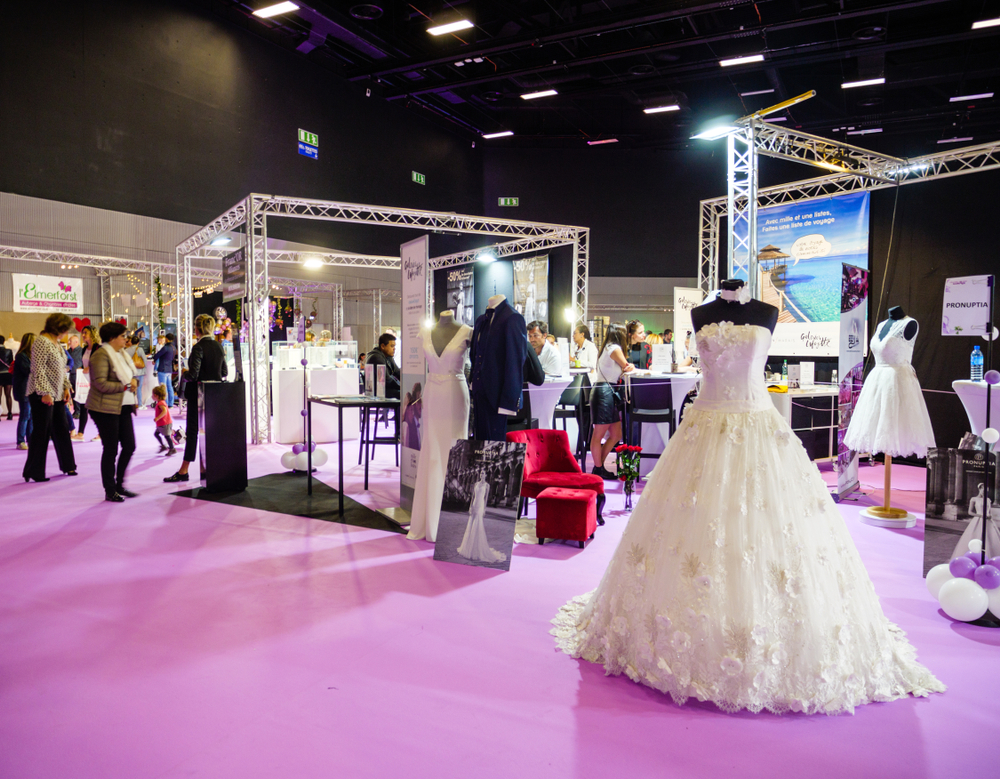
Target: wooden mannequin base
887	516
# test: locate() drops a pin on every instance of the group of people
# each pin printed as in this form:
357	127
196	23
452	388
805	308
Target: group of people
43	384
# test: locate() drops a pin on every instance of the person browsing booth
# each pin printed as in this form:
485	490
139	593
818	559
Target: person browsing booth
383	355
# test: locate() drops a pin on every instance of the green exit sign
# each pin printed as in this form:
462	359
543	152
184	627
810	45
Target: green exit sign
307	137
509	201
419	178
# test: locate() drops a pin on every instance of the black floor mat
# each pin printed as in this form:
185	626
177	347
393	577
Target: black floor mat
285	493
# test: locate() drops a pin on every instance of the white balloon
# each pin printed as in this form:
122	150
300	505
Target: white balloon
936	577
288	460
991	435
975	545
319	458
963	599
994	600
302	464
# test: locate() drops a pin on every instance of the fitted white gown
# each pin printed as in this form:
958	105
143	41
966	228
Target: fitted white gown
891	415
736	580
445	420
475	545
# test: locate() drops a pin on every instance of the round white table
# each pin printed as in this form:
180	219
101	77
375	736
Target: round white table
545	398
973	397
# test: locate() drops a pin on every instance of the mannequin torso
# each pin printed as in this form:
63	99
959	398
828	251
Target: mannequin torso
895	314
444	331
753	312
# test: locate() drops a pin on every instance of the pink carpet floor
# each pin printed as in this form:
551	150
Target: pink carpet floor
168	637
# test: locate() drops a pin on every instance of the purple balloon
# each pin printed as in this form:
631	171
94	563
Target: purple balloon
976	557
303	412
994	561
987	577
314	446
297	449
992	377
962	568
305	361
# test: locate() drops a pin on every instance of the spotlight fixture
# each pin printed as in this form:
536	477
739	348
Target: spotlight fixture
981	25
714	133
429	322
961	98
222	240
275	10
776	119
955	140
544	93
661	109
870	131
504	134
757	92
366	12
312	263
486	256
570	314
605	140
742	60
444	29
866	83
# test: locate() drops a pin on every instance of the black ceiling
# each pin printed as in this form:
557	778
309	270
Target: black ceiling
610	59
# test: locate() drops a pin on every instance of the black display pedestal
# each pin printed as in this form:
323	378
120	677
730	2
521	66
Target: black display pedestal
223	431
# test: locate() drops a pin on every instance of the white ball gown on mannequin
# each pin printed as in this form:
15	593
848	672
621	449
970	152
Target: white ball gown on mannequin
445	420
736	580
891	415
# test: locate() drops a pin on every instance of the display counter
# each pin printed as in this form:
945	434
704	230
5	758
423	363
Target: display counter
288	404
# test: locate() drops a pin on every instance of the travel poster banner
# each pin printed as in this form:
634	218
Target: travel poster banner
461	299
850	367
966	305
531	289
47	294
413	256
801	248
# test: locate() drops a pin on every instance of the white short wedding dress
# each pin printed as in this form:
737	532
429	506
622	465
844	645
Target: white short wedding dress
736	580
475	545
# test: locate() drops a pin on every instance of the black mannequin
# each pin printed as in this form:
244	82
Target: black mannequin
895	314
753	312
444	331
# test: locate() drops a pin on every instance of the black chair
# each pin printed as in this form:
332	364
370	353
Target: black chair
566	407
522	420
574	403
651	399
370	439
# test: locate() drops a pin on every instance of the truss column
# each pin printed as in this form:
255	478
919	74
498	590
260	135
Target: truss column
105	281
742	204
152	308
581	277
708	248
338	312
257	294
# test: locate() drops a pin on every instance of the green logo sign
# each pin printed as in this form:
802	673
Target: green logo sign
419	178
508	201
307	137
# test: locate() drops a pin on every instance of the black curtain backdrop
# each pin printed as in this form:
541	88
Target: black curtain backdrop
942	229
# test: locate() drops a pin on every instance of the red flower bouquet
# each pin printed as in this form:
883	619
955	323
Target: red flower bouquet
628	469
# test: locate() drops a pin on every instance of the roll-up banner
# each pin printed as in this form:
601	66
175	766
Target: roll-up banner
685	298
850	367
412	363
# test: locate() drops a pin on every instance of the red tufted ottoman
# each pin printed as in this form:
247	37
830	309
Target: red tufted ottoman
567	514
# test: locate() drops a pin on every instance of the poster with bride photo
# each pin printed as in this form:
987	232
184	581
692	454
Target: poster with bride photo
531	288
479	505
461	295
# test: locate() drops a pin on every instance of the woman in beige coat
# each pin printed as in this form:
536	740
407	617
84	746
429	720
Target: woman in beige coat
111	403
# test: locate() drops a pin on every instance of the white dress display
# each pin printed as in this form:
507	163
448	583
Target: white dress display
475	545
445	420
891	415
736	580
975	527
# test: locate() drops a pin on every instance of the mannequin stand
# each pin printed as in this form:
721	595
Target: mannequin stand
886	515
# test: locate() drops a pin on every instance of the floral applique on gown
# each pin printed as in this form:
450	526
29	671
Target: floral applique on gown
736	580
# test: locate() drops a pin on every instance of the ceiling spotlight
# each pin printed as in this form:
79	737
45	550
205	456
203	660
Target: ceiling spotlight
776	119
444	29
866	83
742	60
222	240
714	133
986	23
275	10
486	257
661	109
757	92
366	12
960	98
312	263
955	140
606	140
544	93
868	34
869	131
504	134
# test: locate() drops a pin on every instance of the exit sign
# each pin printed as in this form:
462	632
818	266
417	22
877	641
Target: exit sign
307	137
509	201
419	178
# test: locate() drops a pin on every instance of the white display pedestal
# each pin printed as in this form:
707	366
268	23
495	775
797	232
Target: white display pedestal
286	392
973	397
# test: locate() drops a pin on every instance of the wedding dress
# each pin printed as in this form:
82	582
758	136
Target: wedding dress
445	419
475	545
891	415
736	580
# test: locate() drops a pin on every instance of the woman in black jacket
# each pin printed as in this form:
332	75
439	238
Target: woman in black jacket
6	376
22	369
206	363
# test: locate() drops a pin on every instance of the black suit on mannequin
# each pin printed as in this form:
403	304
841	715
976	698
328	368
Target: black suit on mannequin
498	351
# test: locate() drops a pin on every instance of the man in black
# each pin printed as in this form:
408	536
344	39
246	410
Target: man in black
383	355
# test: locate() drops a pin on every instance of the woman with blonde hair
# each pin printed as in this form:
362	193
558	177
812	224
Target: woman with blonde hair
48	391
91	343
206	363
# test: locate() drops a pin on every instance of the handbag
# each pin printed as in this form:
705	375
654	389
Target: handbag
137	360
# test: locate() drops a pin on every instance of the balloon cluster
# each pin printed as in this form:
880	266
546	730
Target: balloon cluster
298	458
964	588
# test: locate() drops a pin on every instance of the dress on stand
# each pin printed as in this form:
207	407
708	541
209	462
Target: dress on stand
475	545
445	402
736	580
891	415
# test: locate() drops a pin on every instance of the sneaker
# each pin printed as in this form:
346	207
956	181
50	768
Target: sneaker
177	477
96	438
22	445
76	436
172	451
162	449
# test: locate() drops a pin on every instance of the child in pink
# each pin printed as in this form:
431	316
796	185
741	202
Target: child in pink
163	421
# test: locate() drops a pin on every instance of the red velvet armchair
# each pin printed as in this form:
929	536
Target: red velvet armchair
549	462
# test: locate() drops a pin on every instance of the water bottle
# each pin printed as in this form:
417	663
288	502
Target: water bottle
833	379
784	371
977	364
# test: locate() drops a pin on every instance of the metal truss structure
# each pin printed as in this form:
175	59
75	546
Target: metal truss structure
376	296
858	171
250	216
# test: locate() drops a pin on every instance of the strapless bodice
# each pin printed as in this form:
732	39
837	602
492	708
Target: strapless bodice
732	359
